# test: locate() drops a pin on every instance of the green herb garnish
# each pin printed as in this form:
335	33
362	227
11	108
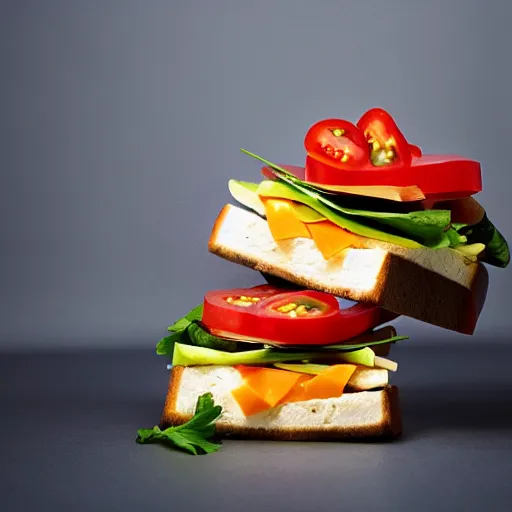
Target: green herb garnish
194	436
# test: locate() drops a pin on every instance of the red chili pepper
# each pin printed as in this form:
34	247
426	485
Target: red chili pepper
337	143
280	316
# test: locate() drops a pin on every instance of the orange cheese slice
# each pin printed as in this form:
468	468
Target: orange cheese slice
282	221
264	388
297	393
331	239
286	221
330	383
249	401
270	384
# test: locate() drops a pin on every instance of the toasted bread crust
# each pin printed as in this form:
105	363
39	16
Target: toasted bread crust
403	287
390	426
217	226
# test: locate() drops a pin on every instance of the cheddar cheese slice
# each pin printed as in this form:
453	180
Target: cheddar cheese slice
264	388
282	220
331	239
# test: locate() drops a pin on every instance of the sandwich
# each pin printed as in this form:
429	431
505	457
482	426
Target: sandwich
370	220
285	365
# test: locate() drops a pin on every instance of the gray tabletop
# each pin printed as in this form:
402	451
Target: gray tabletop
70	421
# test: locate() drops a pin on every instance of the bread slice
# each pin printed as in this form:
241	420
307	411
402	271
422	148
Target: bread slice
353	415
441	287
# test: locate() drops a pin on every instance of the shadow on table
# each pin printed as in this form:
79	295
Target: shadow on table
456	408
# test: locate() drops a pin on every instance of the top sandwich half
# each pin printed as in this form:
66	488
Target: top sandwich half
384	228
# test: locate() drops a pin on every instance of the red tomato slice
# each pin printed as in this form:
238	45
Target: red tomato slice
390	161
280	316
415	150
337	143
387	145
438	176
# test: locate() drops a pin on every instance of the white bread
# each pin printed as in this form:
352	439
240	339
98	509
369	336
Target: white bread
358	414
441	287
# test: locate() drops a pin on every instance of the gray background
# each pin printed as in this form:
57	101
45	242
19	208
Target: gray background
121	123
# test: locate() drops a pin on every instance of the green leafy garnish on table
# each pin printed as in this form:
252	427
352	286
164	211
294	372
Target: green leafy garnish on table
195	436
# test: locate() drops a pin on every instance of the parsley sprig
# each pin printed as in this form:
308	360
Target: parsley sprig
194	436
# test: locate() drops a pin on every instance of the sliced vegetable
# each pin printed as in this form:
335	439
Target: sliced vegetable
337	143
471	250
196	335
392	161
308	369
388	146
246	193
306	214
281	316
367	357
188	355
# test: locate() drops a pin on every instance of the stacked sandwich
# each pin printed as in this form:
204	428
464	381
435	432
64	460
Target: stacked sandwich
368	219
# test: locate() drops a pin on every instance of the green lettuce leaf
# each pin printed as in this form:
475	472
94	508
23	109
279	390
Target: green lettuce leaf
180	332
188	331
497	251
165	346
191	316
201	338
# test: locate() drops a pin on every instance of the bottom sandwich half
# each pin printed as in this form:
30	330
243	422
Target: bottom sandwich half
368	408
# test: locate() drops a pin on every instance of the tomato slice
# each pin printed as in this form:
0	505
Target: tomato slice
279	316
390	161
387	145
440	177
337	143
415	150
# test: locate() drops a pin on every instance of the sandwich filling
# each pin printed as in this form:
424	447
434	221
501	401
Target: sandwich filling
280	347
295	209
